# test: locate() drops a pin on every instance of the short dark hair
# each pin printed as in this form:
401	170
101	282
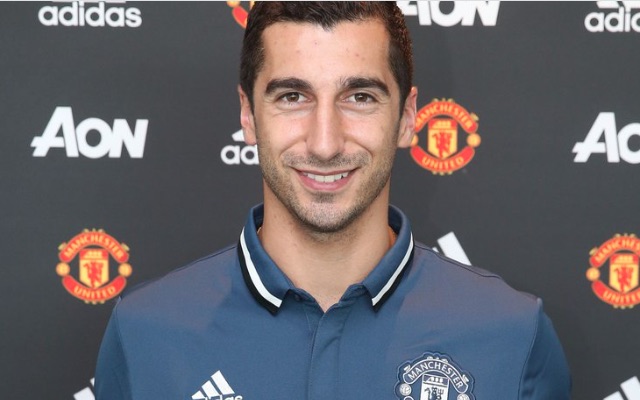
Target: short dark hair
326	14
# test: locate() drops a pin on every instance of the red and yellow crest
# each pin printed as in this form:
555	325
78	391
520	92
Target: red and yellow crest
239	13
621	288
93	249
442	119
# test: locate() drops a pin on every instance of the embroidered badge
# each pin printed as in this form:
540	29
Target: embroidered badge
433	376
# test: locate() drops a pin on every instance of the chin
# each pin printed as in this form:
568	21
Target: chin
329	218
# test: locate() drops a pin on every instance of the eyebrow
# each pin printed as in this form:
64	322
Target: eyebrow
287	83
354	82
361	82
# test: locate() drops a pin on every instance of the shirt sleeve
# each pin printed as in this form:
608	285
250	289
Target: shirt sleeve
546	373
112	373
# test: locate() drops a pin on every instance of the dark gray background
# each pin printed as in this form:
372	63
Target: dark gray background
521	208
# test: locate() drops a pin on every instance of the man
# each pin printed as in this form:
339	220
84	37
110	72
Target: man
326	295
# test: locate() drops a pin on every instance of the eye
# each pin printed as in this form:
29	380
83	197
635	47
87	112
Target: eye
361	98
292	97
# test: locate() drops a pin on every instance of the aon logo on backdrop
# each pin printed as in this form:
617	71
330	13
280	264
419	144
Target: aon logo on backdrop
617	145
75	141
450	13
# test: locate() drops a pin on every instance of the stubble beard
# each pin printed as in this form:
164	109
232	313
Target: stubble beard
321	215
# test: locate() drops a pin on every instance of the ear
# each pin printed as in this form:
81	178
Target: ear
246	118
408	119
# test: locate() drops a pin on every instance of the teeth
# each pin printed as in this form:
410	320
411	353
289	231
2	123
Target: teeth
327	178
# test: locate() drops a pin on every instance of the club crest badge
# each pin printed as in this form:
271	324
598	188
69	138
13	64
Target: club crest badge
443	154
618	284
94	249
433	376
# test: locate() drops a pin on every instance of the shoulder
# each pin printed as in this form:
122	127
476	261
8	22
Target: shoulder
447	296
473	289
475	306
206	280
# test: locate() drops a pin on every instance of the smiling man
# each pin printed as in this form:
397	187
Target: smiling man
327	115
326	295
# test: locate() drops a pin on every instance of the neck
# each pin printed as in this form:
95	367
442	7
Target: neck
326	264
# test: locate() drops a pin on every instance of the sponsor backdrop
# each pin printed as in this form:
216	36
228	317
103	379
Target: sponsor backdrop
122	159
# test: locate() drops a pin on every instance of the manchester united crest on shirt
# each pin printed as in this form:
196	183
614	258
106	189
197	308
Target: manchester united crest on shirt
433	376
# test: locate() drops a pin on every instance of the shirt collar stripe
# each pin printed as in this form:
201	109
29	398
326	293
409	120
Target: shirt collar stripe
255	277
395	275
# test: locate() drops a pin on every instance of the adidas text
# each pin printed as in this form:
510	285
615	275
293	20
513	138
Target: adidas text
616	16
237	154
74	138
96	15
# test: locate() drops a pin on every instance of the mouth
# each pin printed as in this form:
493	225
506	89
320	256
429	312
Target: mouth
326	178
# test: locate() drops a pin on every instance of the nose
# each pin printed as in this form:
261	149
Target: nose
325	138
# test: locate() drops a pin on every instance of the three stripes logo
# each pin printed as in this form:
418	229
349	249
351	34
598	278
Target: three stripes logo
630	388
217	388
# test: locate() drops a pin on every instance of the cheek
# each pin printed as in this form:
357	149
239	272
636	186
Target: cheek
377	137
280	134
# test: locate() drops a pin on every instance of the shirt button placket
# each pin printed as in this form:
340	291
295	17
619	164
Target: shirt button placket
325	357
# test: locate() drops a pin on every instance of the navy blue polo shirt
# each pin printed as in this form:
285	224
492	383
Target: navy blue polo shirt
232	326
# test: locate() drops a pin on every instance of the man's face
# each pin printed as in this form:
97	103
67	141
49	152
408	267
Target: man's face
326	121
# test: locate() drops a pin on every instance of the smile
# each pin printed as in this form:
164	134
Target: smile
326	178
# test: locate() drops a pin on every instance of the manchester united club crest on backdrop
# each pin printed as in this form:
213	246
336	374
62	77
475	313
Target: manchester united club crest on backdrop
445	150
614	271
93	250
433	376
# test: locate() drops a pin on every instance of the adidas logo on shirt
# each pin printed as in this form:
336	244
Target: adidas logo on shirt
217	388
